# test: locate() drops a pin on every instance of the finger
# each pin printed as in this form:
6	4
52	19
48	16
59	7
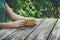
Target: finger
21	25
23	21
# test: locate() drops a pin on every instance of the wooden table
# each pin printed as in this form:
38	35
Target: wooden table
45	29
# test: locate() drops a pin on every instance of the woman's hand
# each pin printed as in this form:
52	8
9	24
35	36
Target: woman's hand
17	24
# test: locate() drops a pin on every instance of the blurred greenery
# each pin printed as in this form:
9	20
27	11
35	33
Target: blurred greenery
36	8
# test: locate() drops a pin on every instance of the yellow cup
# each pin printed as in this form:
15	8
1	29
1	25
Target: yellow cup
30	22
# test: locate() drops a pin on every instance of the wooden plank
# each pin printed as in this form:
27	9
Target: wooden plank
5	32
46	31
55	35
22	33
42	32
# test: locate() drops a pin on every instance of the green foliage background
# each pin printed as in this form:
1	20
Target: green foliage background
34	8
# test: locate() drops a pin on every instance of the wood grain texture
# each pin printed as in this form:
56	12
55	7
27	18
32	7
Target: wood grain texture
42	32
23	32
55	35
5	32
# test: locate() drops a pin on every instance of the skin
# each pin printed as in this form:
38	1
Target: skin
18	20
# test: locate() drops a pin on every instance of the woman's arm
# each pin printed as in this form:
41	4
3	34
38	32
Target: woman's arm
15	24
12	15
6	25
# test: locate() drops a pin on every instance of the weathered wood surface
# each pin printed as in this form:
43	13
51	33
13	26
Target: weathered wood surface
24	32
6	32
42	31
55	35
46	29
